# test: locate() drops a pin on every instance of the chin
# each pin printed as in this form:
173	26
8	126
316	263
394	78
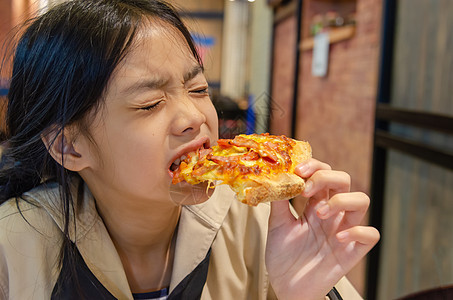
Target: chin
187	194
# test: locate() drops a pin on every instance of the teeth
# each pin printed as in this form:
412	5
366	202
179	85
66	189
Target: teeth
178	161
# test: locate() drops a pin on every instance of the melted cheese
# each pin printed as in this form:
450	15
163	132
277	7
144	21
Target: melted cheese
245	158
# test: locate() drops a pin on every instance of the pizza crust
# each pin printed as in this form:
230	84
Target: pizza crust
301	152
258	168
284	186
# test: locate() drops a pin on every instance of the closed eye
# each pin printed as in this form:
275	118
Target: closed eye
152	106
200	91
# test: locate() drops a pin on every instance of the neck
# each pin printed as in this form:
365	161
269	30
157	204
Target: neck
144	236
141	231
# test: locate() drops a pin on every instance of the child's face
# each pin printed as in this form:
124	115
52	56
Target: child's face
156	109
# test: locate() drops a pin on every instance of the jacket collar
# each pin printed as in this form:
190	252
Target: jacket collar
89	234
198	226
47	196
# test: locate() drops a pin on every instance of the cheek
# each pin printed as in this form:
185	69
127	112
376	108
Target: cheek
211	118
141	171
132	155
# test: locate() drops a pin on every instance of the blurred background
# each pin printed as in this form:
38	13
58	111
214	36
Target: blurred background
368	83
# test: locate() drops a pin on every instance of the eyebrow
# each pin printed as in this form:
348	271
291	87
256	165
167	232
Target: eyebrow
158	83
193	73
145	84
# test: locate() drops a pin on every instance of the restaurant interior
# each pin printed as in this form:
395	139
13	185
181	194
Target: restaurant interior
368	83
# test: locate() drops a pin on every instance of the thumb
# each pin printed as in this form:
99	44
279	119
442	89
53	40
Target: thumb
280	214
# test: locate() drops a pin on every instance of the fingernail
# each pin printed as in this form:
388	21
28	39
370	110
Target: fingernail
302	169
342	235
323	210
308	187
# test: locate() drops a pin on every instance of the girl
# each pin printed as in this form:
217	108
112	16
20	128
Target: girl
105	96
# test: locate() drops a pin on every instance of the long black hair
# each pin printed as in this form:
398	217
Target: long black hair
61	67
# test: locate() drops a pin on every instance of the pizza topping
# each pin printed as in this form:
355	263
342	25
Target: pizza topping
241	141
250	156
245	155
247	163
187	161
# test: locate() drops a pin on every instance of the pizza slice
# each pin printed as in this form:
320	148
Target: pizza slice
257	167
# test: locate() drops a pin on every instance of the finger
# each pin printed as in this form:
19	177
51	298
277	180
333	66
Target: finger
309	167
358	241
280	214
355	206
364	235
327	180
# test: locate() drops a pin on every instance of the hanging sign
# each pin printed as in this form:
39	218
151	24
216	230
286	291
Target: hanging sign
320	55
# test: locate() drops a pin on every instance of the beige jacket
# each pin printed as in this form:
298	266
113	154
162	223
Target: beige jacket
29	247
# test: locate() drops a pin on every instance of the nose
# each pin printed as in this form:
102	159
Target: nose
188	117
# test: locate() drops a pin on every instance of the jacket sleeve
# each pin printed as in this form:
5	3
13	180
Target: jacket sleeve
343	291
28	252
3	275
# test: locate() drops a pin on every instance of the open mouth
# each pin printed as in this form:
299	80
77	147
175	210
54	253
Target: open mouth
175	165
200	152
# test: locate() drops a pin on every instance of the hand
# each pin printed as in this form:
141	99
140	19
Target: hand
307	256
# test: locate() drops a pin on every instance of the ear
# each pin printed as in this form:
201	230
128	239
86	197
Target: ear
62	145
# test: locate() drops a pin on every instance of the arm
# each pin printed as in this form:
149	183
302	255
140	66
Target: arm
307	256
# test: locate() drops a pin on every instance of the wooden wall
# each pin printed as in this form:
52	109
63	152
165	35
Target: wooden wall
417	240
336	113
283	68
205	18
12	14
6	24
